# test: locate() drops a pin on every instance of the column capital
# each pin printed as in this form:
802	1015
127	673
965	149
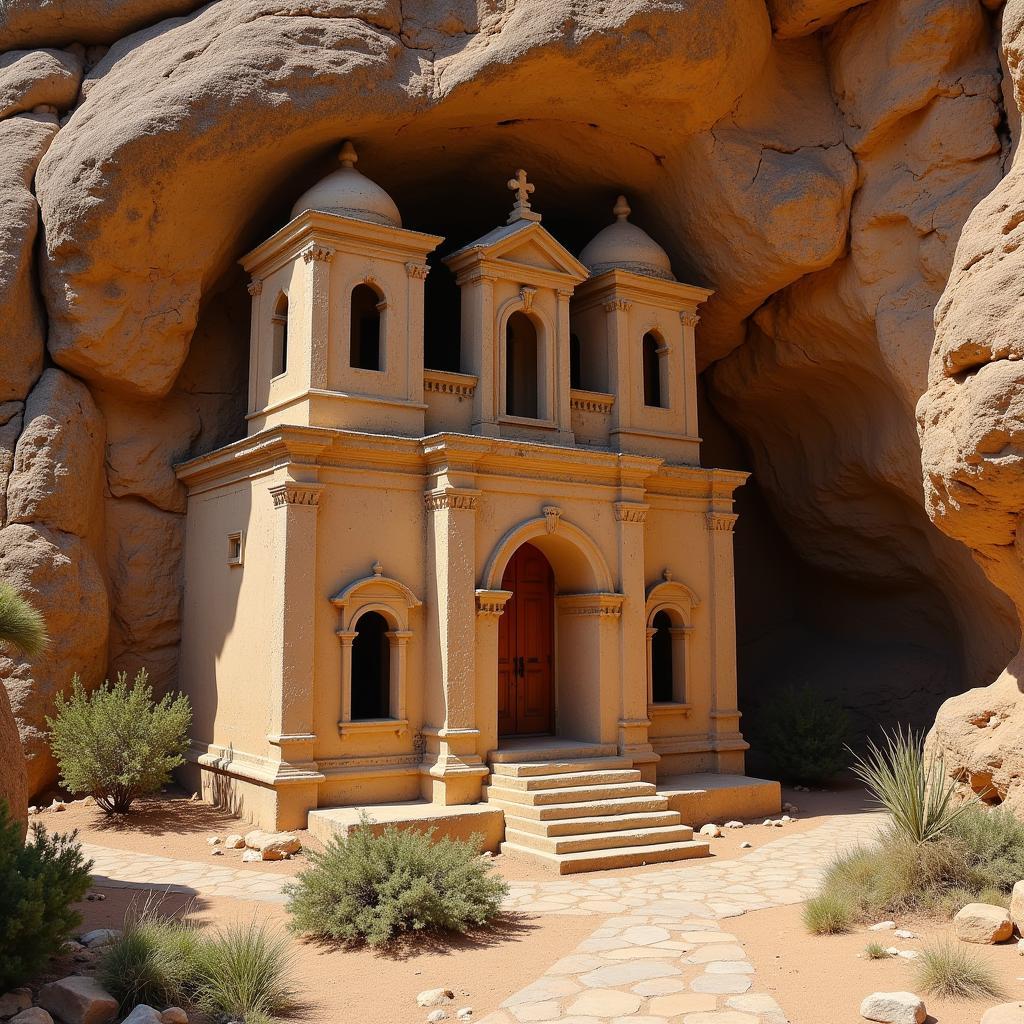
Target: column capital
491	603
631	512
319	253
722	522
417	270
254	287
292	492
688	318
618	306
466	499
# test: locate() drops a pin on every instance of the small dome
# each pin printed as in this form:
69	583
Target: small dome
624	246
348	193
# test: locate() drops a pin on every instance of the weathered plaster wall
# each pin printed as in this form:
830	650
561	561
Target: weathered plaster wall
817	179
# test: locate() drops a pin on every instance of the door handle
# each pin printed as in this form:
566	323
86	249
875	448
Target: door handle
521	667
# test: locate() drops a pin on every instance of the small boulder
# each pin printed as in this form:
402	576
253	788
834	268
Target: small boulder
78	1000
58	805
714	831
15	1001
733	824
33	1015
746	846
894	1008
1017	906
1005	1013
273	845
465	1013
143	1014
436	1015
174	1015
883	926
234	842
218	852
251	855
435	997
902	933
100	937
213	840
983	923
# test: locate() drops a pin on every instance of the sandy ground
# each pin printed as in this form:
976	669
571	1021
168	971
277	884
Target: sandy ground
824	978
379	988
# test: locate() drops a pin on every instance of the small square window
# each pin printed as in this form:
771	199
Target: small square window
236	547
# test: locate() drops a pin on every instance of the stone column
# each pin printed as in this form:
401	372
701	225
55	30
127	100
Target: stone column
346	637
619	353
490	606
318	284
416	274
726	741
689	320
398	641
634	722
480	348
256	358
454	776
561	407
292	668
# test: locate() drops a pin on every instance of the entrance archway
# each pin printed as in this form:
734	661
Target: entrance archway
526	646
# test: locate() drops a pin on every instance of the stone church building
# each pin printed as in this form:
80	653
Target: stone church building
511	584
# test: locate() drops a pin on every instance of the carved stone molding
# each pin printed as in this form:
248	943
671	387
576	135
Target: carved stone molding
293	493
604	606
620	305
552	517
318	252
630	512
254	287
418	270
491	603
689	319
591	401
452	497
526	294
443	384
721	521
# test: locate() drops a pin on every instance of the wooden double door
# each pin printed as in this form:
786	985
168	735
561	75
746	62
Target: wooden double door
526	646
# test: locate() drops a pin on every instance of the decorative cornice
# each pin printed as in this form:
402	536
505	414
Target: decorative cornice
491	603
444	384
608	606
591	401
461	498
321	253
254	287
552	517
630	512
620	305
721	521
294	493
417	270
689	319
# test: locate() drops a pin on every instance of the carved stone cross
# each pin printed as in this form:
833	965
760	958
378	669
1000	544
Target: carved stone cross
522	188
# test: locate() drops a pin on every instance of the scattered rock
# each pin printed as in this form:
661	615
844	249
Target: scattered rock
174	1015
908	954
213	841
786	818
1020	946
100	937
15	1001
234	842
435	997
883	926
250	856
1017	906
95	897
68	948
894	1008
902	933
746	846
714	831
33	810
78	1000
143	1014
790	808
465	1013
436	1015
733	824
217	852
273	845
1005	1013
195	798
983	923
33	1015
58	805
767	822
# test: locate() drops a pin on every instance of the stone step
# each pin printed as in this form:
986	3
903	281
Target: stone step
582	826
563	780
551	750
582	809
600	840
602	860
518	769
573	794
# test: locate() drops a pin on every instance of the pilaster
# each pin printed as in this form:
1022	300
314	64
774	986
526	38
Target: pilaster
317	259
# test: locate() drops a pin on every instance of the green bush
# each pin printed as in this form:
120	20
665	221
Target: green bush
373	888
948	970
804	736
876	951
240	972
827	914
21	625
115	743
39	881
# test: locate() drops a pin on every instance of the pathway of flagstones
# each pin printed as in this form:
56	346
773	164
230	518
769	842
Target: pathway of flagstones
659	957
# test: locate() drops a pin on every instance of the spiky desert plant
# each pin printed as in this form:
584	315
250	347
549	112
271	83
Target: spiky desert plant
912	787
116	743
21	624
827	914
948	970
876	951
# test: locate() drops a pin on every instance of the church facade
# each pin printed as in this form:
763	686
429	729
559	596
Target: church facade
401	572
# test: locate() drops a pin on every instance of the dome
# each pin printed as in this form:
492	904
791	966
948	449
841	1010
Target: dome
624	246
348	193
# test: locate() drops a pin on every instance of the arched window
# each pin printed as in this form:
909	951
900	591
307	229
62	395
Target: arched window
521	366
279	353
371	668
662	676
364	345
575	362
653	353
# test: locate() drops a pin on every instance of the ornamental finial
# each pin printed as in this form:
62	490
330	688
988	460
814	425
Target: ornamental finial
521	209
378	569
621	209
348	156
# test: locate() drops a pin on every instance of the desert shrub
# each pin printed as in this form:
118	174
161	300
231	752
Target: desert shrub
21	625
372	888
116	743
242	972
911	786
994	839
947	969
805	736
39	882
876	951
827	914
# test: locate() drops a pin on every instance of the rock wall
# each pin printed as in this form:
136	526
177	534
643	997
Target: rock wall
815	177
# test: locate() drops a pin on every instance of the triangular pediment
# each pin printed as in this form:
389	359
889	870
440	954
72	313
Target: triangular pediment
523	244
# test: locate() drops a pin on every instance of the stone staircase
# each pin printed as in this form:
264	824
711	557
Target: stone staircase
585	809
